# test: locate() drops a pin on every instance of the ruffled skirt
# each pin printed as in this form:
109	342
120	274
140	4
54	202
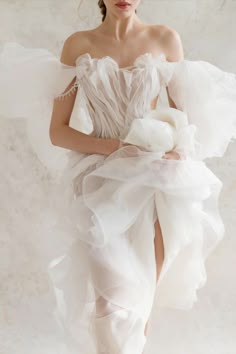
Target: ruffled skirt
105	275
102	260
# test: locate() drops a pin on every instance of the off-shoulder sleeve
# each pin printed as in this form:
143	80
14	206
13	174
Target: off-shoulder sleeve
30	80
207	95
29	77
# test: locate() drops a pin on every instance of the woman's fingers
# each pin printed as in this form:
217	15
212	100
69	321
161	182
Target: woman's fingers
171	155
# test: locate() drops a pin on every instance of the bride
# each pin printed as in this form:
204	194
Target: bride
137	205
123	37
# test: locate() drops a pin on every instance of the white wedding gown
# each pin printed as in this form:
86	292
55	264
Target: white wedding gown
103	253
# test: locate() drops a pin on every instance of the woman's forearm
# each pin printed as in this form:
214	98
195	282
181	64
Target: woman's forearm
72	139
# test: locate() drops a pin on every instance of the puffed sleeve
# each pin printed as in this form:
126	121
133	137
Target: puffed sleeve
207	95
30	80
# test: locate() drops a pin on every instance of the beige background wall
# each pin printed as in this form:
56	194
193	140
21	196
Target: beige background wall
208	32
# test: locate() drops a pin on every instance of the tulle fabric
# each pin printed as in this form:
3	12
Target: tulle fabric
102	263
30	80
207	95
164	130
115	203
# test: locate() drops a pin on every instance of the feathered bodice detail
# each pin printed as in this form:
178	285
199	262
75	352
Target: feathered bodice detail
114	96
110	99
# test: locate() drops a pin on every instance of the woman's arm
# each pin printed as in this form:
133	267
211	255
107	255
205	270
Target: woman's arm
60	133
174	52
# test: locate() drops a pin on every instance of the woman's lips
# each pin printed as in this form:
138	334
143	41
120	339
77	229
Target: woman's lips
122	5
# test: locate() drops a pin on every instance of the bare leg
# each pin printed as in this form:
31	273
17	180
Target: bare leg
159	248
115	328
112	322
159	253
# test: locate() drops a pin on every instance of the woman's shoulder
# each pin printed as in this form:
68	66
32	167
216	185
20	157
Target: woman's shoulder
74	45
170	41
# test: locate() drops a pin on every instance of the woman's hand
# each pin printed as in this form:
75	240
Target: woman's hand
171	155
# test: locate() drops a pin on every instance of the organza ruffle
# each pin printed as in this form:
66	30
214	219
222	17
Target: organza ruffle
30	80
115	203
105	207
207	95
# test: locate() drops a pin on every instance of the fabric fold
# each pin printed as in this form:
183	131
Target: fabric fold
30	80
102	263
207	95
163	130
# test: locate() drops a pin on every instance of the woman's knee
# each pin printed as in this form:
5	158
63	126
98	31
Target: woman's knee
105	307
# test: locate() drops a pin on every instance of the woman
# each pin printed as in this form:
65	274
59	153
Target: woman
127	37
141	214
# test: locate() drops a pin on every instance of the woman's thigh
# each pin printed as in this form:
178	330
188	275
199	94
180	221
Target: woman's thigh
159	254
159	247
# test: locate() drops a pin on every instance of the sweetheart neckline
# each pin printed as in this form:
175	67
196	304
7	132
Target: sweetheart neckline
161	56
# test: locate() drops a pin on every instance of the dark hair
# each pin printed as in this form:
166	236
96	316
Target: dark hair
103	9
